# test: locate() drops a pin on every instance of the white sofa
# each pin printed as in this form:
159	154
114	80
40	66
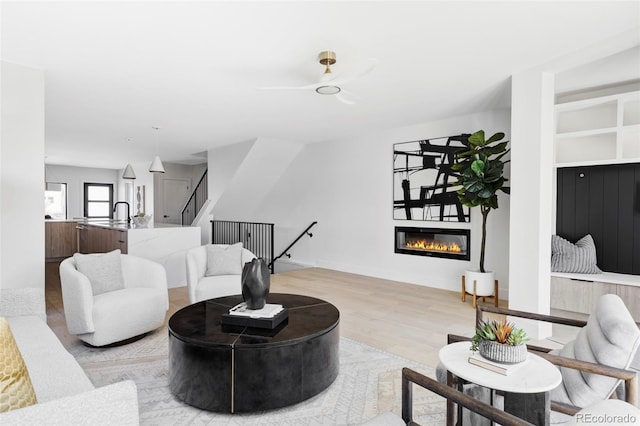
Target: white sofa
201	287
65	394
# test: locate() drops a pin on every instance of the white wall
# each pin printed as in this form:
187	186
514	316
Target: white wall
223	163
75	178
21	177
346	186
532	185
262	166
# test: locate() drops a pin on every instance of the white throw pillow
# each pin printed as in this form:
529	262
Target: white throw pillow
224	260
103	270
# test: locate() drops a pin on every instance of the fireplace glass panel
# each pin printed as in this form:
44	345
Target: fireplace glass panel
436	242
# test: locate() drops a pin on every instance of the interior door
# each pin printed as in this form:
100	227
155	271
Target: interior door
175	195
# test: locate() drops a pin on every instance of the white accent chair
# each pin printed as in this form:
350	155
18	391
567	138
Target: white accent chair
201	287
115	316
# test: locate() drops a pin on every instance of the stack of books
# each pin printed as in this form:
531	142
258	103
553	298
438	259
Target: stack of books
268	311
270	316
504	369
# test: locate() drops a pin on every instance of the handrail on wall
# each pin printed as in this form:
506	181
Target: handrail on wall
285	252
256	237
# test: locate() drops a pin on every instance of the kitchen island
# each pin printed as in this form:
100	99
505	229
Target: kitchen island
162	243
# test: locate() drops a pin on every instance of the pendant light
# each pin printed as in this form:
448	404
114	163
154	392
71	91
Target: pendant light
156	166
128	171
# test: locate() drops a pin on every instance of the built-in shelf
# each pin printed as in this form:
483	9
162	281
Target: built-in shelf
604	130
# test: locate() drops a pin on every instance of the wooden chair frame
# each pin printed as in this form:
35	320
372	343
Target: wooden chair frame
453	396
629	377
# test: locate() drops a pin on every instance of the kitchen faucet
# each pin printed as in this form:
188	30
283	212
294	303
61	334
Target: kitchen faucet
115	206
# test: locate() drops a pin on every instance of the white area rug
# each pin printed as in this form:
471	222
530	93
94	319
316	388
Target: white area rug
368	384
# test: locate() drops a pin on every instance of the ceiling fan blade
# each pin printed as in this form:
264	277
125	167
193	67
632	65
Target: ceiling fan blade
307	87
344	100
372	63
324	80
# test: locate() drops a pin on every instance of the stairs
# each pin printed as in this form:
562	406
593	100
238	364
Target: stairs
198	197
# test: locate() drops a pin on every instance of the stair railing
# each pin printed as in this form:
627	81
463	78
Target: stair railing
255	236
285	252
196	201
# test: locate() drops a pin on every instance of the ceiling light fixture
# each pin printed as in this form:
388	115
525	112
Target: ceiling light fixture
128	171
156	166
327	58
328	90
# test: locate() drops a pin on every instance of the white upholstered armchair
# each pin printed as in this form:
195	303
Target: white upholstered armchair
113	316
214	270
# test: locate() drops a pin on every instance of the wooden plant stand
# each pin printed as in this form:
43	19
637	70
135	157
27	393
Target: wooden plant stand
475	297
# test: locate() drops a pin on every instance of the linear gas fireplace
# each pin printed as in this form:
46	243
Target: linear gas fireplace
436	242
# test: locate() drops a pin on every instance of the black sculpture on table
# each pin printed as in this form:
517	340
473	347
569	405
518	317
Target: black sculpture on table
256	281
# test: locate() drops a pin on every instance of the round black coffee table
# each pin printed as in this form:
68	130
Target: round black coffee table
239	369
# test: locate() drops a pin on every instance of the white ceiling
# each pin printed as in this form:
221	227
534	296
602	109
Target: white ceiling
194	69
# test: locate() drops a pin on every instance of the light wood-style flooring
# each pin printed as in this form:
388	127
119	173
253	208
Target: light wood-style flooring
408	320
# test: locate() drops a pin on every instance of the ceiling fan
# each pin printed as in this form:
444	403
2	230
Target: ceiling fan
329	84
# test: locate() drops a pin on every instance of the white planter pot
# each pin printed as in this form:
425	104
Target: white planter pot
502	353
484	282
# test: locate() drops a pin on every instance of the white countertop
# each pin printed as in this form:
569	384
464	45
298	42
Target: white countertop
118	224
605	277
123	225
534	375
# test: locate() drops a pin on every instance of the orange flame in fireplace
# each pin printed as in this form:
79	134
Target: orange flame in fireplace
434	246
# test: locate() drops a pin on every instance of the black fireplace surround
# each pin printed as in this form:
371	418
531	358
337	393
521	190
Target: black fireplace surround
434	242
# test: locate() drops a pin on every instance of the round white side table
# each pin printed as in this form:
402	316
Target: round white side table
526	387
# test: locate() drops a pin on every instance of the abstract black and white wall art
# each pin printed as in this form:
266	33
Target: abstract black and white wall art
424	186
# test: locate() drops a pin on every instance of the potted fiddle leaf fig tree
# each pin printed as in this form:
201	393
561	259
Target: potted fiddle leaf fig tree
480	176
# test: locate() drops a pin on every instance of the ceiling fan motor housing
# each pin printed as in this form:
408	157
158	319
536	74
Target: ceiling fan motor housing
327	57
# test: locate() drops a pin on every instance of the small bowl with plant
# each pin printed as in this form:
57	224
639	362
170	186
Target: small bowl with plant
500	341
141	220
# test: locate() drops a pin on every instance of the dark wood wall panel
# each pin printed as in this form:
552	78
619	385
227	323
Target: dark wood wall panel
596	206
603	201
609	244
581	205
626	180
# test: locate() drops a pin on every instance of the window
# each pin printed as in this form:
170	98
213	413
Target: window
98	200
55	200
